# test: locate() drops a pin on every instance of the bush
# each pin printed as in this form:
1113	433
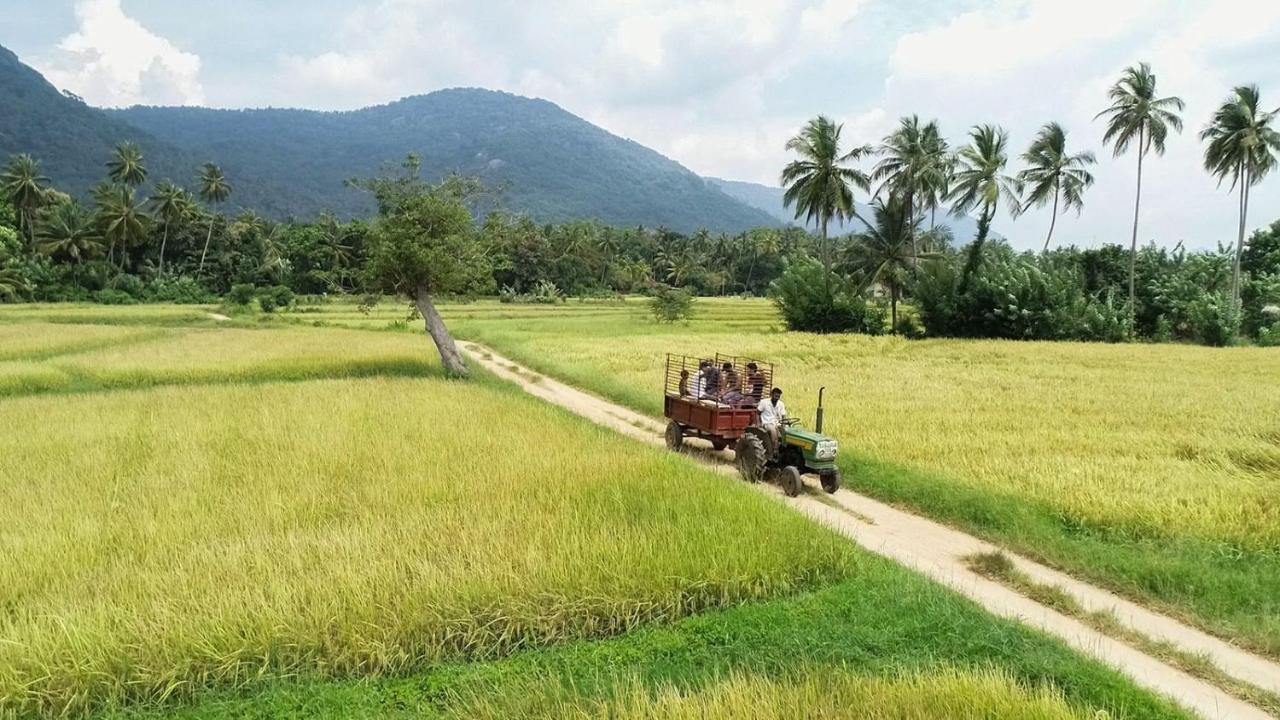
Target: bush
114	297
810	303
241	294
273	298
670	304
1270	336
182	290
1216	320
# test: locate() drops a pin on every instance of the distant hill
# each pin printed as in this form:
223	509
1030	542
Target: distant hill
72	140
551	164
769	199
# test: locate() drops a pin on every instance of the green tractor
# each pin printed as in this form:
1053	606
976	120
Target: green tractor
797	452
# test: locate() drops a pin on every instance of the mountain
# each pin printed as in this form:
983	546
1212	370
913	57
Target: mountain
72	140
769	199
547	162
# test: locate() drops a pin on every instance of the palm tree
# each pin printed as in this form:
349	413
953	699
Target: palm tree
883	253
26	189
1136	111
915	166
121	221
979	181
1055	173
172	204
336	240
820	184
214	189
67	231
126	165
1242	145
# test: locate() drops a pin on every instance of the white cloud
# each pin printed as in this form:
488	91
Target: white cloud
1022	63
112	60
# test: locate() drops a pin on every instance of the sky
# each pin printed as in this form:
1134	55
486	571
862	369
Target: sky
717	85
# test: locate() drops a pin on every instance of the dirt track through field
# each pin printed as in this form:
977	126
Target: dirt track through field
939	552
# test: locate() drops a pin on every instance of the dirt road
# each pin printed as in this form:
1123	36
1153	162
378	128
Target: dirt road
938	552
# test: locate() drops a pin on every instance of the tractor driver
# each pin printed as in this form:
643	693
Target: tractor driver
773	414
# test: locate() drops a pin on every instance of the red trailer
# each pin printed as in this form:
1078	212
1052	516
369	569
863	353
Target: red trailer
713	398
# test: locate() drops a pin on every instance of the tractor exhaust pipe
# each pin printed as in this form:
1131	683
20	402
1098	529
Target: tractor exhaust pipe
817	425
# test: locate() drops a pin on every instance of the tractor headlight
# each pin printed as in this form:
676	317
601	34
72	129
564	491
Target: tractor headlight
827	450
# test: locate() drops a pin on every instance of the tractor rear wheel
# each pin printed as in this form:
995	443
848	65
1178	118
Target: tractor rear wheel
831	481
749	455
675	436
789	479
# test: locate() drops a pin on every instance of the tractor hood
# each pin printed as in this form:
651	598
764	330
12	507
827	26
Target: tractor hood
805	436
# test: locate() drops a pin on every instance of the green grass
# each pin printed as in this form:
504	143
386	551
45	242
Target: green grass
885	623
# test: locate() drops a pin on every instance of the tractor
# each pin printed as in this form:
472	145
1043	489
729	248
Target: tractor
715	400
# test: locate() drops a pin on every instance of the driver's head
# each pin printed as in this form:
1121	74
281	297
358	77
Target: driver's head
775	394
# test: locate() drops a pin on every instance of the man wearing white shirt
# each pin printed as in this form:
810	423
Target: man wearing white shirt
773	414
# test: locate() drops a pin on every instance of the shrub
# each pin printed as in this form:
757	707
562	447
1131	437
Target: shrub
670	304
114	297
811	303
182	290
1215	319
1270	336
272	298
241	294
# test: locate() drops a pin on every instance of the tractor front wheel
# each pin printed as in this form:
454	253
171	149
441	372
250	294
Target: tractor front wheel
830	481
675	436
789	479
749	456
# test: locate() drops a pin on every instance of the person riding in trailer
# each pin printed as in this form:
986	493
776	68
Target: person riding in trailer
755	381
732	389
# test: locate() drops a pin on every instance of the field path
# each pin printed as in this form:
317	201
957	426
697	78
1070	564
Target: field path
939	552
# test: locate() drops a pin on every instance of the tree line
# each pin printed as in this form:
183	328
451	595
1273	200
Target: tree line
174	245
916	173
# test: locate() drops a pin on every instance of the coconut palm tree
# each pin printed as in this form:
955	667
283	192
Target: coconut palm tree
126	165
121	221
979	182
1055	174
1136	112
214	189
820	183
915	166
67	231
884	253
26	189
12	284
171	204
1243	143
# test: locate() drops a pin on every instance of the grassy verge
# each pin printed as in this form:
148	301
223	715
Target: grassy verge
885	624
997	566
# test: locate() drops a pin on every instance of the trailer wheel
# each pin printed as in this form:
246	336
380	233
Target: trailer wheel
675	436
719	445
831	481
749	456
789	479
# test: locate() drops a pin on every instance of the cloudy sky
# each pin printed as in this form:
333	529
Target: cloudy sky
714	84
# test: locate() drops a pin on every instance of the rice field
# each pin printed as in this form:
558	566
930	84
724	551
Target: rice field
808	693
292	518
1153	469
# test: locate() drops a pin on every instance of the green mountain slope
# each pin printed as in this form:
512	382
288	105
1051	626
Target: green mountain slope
547	162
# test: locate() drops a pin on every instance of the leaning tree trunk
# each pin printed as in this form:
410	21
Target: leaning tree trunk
1054	220
1133	245
205	251
893	304
1244	215
826	257
164	240
975	250
450	358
